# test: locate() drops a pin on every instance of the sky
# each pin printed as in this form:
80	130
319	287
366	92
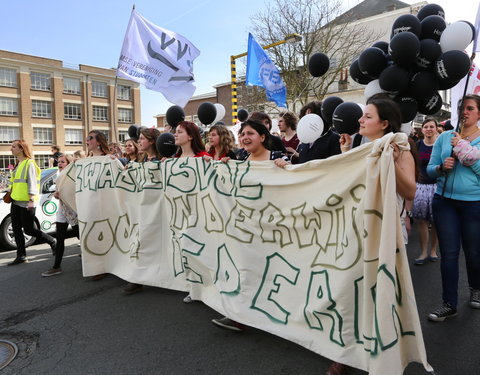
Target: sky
91	32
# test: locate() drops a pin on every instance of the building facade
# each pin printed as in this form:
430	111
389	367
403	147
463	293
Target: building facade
46	103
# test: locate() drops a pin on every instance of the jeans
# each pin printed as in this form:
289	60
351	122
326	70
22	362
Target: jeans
23	218
61	234
457	223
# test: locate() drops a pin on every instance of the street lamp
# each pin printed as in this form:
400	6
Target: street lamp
290	38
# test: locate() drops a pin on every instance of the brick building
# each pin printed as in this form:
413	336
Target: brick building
47	103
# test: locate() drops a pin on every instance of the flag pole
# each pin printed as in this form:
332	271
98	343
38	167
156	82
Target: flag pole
114	112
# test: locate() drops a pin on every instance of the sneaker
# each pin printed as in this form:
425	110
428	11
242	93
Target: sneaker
188	299
132	288
52	272
442	313
229	324
18	260
474	298
100	276
337	369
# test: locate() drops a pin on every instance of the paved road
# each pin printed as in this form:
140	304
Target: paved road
70	325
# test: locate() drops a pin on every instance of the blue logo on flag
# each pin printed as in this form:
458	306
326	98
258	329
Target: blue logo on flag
261	71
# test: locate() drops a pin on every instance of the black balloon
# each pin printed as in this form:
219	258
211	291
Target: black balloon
408	108
404	48
174	115
429	10
345	118
432	27
430	51
328	107
165	145
452	65
394	79
139	130
423	85
431	105
318	64
357	74
132	131
382	45
445	84
406	23
206	113
372	61
242	115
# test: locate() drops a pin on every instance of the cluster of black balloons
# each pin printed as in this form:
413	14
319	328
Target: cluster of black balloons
424	56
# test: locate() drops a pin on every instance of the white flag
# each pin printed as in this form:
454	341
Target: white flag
476	46
158	58
457	91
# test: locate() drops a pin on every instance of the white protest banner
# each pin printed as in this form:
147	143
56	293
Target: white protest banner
158	58
313	253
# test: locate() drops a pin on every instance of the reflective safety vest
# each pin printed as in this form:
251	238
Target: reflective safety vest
19	181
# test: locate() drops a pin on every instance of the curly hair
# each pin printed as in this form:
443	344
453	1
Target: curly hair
290	119
313	107
226	139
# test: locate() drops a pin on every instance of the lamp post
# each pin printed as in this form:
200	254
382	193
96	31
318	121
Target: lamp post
290	38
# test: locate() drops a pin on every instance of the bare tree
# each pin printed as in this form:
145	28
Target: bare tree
324	29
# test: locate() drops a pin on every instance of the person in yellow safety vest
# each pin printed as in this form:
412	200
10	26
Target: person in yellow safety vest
24	190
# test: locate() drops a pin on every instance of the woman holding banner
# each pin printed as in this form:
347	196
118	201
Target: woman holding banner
456	208
381	116
189	140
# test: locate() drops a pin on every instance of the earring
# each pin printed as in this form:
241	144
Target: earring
98	147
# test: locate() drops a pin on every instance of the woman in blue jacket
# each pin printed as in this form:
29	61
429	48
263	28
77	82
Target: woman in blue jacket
456	210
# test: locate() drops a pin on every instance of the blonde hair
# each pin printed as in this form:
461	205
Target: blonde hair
79	154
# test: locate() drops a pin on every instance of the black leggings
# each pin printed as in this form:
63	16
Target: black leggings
61	235
23	218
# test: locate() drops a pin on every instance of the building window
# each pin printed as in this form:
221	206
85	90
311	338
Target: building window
123	92
73	136
8	77
8	134
41	108
72	111
71	86
42	136
42	160
125	115
100	113
5	162
99	89
123	136
8	107
40	81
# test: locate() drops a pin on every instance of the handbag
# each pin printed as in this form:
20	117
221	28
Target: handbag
7	198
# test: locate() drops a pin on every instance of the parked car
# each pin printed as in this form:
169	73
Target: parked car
45	213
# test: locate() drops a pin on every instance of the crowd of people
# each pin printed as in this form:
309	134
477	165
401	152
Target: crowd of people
437	181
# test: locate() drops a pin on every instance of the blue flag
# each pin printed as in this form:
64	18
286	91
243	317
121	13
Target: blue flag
261	71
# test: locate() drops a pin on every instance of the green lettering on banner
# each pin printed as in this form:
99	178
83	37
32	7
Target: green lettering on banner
371	344
182	177
243	190
185	210
205	171
123	235
315	225
239	222
264	299
213	218
227	276
388	331
320	306
153	175
271	222
106	177
127	179
177	255
191	249
99	237
224	180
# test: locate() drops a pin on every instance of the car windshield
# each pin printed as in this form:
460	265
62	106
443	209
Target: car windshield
48	172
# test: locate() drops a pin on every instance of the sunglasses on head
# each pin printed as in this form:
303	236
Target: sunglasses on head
90	137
